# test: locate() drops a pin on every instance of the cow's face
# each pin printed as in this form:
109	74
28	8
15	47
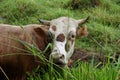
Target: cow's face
64	31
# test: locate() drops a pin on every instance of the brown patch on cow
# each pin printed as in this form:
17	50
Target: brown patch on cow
60	37
67	47
40	31
54	28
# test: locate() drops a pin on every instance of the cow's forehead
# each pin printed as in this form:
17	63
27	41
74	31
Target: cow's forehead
64	21
63	25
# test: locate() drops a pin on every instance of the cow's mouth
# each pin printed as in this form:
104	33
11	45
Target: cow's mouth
61	64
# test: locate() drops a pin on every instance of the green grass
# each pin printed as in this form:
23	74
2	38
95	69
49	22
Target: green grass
83	71
103	28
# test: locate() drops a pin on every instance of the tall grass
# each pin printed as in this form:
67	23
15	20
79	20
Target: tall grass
83	71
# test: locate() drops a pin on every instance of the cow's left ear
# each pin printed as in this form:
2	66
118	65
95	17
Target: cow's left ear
82	32
41	31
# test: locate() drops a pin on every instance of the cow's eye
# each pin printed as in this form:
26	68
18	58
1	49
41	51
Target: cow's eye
71	36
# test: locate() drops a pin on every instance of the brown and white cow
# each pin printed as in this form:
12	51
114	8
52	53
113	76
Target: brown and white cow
16	60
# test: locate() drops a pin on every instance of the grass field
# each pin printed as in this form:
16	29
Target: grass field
103	28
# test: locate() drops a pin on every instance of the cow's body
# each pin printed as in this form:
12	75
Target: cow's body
15	58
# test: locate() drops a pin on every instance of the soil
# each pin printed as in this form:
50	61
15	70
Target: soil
82	55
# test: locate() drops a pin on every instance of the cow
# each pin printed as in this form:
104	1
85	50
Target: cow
16	59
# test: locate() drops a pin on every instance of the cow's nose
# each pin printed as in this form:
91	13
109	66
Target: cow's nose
62	57
58	59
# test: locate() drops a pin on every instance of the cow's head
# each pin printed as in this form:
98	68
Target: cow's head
64	31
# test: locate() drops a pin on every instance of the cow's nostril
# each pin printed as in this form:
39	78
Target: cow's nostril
62	56
72	36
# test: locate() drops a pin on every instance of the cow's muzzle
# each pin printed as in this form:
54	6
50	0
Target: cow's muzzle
58	59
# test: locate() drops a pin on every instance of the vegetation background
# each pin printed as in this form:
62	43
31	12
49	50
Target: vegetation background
103	28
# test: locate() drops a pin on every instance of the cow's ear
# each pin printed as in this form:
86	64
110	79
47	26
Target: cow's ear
82	32
82	21
41	31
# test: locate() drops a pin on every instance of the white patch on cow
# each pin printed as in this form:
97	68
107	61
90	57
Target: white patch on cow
64	25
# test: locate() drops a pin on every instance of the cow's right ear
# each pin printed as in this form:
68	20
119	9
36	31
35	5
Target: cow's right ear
82	32
41	31
45	22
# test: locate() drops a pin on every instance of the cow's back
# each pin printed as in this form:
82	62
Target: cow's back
8	38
